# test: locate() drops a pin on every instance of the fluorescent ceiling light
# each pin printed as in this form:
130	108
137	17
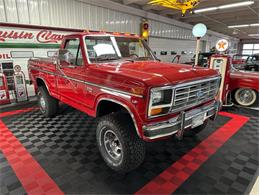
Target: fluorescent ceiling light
246	3
243	25
239	26
205	9
253	35
227	6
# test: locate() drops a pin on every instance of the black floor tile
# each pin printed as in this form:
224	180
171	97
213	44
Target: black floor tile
65	146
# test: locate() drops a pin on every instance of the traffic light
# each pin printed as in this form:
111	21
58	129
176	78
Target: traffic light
145	30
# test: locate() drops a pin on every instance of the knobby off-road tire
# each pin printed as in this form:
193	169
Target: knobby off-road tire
118	143
48	105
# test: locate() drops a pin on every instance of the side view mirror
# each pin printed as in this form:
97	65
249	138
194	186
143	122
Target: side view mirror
65	56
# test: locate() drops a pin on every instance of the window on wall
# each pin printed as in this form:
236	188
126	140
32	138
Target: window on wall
249	49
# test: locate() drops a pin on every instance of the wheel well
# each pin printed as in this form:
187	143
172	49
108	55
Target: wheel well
40	82
233	92
107	107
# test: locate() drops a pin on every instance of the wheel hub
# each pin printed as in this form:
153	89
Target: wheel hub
42	103
112	145
246	96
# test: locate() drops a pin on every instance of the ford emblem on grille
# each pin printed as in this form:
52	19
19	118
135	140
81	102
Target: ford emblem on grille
200	94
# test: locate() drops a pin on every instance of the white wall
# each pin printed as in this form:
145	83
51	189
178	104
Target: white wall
67	13
169	45
97	15
182	39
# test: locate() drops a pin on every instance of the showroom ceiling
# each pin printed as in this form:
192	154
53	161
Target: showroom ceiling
217	20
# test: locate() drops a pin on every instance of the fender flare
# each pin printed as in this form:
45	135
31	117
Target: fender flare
44	81
124	106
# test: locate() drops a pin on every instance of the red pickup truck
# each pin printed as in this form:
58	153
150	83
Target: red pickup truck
117	78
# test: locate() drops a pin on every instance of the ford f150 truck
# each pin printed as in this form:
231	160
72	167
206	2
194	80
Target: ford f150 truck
117	78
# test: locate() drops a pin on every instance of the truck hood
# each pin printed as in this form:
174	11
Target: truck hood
163	73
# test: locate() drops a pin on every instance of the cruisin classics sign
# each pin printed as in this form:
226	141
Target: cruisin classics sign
16	35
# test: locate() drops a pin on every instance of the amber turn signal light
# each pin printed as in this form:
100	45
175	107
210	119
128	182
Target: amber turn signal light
138	90
156	111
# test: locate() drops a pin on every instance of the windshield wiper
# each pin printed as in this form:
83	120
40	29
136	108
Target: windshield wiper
137	59
157	59
130	60
106	58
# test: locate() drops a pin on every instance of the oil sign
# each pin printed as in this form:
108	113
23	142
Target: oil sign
5	56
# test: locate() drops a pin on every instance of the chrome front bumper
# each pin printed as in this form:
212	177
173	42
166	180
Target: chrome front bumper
184	120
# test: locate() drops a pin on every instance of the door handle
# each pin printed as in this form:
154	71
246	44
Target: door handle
69	66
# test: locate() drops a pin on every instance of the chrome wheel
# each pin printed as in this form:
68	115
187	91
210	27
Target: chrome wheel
112	145
245	97
42	102
119	145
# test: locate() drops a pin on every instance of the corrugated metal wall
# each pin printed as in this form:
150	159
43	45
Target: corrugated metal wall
78	14
159	29
67	13
185	48
162	30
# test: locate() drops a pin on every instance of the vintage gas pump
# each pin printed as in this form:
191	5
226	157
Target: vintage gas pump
20	85
4	92
221	63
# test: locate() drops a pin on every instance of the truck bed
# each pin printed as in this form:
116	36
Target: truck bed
47	64
45	70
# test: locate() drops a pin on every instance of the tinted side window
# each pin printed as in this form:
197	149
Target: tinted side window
73	46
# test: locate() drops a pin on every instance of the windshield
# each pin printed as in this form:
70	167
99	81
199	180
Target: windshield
108	48
240	57
253	59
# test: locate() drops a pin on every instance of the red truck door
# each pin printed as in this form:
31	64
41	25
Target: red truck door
70	82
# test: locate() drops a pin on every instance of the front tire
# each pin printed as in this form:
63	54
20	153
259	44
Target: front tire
118	143
48	105
245	97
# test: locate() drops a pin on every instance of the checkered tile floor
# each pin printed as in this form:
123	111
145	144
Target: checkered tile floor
65	147
232	168
9	182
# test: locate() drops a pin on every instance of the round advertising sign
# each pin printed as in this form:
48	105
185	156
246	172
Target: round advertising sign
222	45
17	68
199	30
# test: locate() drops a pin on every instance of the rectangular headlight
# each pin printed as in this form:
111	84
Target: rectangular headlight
160	101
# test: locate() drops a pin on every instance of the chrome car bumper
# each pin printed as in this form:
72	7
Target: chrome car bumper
184	120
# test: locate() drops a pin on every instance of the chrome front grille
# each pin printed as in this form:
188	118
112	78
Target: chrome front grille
195	93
